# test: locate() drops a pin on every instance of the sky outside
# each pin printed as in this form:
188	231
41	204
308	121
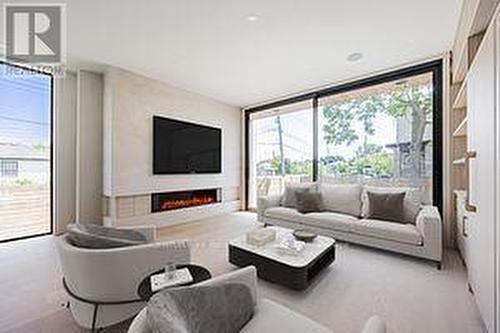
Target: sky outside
24	108
297	136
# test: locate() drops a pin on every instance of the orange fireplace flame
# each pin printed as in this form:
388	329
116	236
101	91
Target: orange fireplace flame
184	203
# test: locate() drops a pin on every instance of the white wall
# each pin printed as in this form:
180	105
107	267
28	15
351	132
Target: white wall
64	152
78	149
129	104
89	147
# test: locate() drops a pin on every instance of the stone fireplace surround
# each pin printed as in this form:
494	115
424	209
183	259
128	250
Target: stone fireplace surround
137	209
130	102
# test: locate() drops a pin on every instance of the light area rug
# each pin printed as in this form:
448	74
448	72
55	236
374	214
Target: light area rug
410	294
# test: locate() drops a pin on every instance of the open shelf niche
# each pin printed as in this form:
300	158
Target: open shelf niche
460	71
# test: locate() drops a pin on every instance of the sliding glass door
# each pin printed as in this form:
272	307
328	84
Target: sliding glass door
383	130
281	144
25	153
381	135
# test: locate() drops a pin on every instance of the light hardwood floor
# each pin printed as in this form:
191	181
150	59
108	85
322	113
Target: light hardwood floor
409	293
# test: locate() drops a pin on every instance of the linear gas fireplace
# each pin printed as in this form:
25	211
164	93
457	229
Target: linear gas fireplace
183	199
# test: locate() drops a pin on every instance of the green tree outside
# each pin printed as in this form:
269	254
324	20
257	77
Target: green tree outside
414	101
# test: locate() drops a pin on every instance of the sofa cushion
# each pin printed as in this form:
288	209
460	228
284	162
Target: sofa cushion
411	205
272	317
386	206
341	198
289	199
93	236
329	220
308	202
398	232
284	213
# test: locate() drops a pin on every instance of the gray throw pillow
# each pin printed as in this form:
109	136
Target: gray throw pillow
411	206
386	206
94	236
289	199
223	308
308	202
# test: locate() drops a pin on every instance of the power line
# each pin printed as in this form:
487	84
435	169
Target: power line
287	134
276	144
16	109
24	121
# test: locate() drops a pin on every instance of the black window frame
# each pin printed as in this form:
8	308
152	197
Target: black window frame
25	68
435	67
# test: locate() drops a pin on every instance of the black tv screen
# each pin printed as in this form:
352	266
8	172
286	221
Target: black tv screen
181	147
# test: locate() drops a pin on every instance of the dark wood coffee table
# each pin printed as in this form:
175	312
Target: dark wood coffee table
293	271
197	272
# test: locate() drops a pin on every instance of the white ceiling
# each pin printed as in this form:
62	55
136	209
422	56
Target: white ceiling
209	47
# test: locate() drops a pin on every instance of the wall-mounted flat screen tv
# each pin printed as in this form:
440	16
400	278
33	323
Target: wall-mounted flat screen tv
181	147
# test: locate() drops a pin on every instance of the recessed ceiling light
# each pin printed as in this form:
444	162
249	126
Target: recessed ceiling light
354	57
252	18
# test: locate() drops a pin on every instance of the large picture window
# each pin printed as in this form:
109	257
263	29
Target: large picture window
380	134
281	149
383	131
25	153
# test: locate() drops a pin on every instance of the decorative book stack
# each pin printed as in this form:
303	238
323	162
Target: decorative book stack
160	281
261	237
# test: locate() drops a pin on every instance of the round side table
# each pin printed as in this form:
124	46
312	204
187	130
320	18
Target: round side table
197	272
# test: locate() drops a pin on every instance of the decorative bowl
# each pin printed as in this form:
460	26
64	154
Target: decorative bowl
304	235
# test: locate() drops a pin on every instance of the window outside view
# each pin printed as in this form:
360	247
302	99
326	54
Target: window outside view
379	135
24	154
282	148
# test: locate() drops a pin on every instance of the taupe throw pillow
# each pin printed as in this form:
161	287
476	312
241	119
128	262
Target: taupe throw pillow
289	199
411	205
308	202
386	206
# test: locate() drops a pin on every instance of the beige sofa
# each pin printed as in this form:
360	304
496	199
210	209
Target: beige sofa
343	217
268	316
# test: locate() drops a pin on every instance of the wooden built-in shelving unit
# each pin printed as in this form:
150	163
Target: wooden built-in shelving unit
461	129
459	108
460	100
475	18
